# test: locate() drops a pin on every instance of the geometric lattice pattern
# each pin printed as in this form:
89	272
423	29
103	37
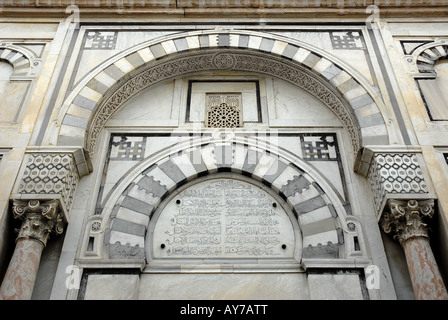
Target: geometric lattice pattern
128	148
395	174
101	40
319	147
223	111
351	40
50	173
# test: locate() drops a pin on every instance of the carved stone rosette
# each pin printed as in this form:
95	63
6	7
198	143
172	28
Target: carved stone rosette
405	218
39	219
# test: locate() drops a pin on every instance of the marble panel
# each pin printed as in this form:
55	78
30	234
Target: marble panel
112	287
330	170
293	106
234	286
150	106
223	218
28	30
435	94
89	60
12	95
334	287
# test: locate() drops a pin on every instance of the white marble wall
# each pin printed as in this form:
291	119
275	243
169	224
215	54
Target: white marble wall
224	286
111	287
161	108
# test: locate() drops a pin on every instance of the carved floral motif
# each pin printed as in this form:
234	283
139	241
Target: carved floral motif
405	219
39	219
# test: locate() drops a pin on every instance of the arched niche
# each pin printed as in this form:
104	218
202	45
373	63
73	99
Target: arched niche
322	228
431	63
19	67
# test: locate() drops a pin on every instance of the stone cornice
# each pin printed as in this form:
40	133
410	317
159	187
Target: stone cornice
81	157
260	4
230	8
367	153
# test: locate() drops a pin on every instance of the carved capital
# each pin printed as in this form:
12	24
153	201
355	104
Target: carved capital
405	218
39	219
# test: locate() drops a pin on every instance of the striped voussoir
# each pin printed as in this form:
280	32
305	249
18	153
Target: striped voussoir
131	215
428	57
17	59
80	108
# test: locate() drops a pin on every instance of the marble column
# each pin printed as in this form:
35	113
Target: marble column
39	220
405	219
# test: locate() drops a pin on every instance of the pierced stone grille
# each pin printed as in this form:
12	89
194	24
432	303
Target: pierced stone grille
223	111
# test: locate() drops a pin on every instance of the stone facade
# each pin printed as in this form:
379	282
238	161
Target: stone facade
223	150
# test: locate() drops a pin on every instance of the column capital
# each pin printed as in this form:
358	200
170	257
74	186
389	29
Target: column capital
405	218
39	219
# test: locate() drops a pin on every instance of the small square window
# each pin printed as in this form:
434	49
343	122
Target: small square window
224	110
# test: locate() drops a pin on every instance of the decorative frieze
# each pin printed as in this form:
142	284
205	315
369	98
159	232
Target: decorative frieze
394	173
51	174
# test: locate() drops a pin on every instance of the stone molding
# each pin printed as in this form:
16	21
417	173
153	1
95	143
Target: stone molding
204	4
120	78
39	219
405	218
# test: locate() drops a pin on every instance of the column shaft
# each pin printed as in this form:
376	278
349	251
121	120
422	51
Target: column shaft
39	219
19	280
425	275
405	220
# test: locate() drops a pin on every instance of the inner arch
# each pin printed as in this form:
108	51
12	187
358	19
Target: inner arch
223	216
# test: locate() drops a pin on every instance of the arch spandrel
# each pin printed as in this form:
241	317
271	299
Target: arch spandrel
313	202
120	78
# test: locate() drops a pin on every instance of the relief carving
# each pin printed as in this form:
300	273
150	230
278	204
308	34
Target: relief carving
39	219
223	218
405	219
